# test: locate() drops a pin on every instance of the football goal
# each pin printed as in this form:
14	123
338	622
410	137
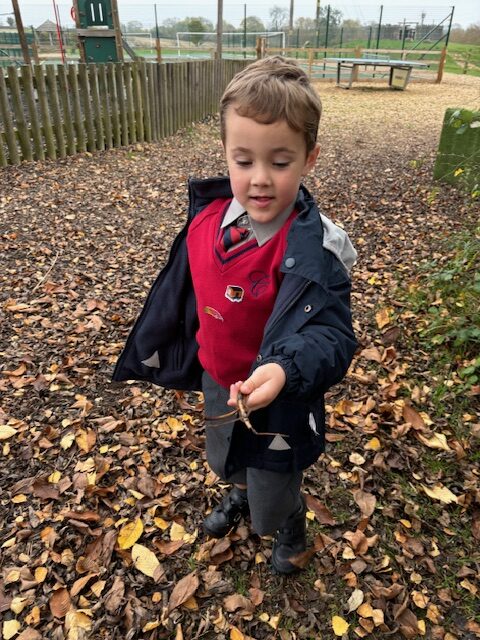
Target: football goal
230	40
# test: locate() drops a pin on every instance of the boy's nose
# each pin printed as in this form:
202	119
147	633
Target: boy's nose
261	177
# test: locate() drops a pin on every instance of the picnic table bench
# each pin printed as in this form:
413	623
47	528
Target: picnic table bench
399	76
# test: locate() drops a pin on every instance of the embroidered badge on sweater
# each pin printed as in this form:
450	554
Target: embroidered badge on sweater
234	293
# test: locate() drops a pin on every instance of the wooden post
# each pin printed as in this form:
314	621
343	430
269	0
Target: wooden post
81	46
441	65
21	32
118	31
219	29
157	39
357	54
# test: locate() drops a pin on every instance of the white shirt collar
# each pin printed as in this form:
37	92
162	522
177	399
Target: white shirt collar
262	231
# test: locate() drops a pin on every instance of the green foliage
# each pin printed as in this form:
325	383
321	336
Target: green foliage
446	301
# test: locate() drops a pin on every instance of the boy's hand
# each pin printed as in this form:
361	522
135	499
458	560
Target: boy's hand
261	388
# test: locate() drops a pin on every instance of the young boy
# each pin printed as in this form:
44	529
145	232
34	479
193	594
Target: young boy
254	300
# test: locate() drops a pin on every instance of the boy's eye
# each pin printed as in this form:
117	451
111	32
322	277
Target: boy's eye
243	163
281	164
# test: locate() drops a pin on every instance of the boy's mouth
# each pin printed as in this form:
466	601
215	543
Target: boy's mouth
262	201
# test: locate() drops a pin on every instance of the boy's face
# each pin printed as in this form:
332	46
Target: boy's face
266	163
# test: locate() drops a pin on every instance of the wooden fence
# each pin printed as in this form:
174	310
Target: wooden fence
49	111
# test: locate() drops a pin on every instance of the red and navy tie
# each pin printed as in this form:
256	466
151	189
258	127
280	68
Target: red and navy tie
233	235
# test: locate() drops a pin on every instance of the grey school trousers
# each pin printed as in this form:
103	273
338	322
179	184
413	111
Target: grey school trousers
272	497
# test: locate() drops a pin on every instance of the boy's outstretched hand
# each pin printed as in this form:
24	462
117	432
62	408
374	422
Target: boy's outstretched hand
261	388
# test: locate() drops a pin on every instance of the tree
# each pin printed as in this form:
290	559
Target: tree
135	26
10	21
254	24
196	24
305	24
278	18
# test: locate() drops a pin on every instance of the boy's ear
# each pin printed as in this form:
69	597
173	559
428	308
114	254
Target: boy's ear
312	158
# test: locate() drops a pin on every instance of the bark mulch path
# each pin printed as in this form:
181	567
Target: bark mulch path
104	487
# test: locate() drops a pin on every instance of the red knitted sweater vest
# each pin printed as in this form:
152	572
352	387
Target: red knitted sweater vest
235	293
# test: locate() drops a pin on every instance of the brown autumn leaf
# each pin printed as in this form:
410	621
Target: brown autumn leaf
183	590
366	502
60	602
412	416
322	513
238	604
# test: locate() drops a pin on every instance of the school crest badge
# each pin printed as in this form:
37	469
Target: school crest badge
234	293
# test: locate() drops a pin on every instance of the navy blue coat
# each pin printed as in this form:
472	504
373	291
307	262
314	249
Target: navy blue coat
309	333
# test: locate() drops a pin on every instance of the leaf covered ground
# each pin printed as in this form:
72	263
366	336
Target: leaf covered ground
103	486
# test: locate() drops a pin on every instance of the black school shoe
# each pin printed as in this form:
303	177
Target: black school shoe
227	514
290	540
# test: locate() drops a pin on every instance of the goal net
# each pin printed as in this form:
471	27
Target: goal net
230	40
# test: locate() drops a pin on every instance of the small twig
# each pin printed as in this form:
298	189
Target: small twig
47	274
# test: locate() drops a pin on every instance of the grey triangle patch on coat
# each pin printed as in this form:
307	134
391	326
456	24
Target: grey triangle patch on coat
153	361
279	444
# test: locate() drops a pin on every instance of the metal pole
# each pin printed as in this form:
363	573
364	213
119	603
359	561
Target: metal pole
326	37
370	30
59	31
341	38
21	32
157	38
379	26
219	29
317	20
449	27
290	24
403	39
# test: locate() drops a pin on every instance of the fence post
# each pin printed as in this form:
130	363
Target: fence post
22	128
357	54
441	65
8	122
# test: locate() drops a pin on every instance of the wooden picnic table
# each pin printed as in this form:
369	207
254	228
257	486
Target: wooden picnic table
399	76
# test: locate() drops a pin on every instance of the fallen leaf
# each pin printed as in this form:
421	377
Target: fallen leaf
129	534
183	590
147	562
441	493
60	603
339	626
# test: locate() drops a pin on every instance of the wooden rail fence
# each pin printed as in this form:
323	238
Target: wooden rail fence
49	111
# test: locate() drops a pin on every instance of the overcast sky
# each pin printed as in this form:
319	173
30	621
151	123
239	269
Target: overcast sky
466	11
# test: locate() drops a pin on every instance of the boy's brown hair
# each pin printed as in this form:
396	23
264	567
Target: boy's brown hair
274	89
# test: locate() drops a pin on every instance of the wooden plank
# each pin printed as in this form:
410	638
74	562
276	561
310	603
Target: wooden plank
169	97
3	157
121	101
67	109
152	99
51	149
177	98
77	118
162	90
97	112
55	110
142	69
130	103
9	129
27	80
137	101
19	114
104	104
114	104
87	105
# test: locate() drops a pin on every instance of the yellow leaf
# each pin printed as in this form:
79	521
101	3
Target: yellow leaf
54	477
365	610
130	533
146	561
339	625
12	576
373	445
33	617
6	432
98	587
236	634
10	629
260	558
175	424
383	317
378	617
18	604
274	621
150	626
437	441
20	498
161	523
177	532
67	441
40	574
422	627
441	493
